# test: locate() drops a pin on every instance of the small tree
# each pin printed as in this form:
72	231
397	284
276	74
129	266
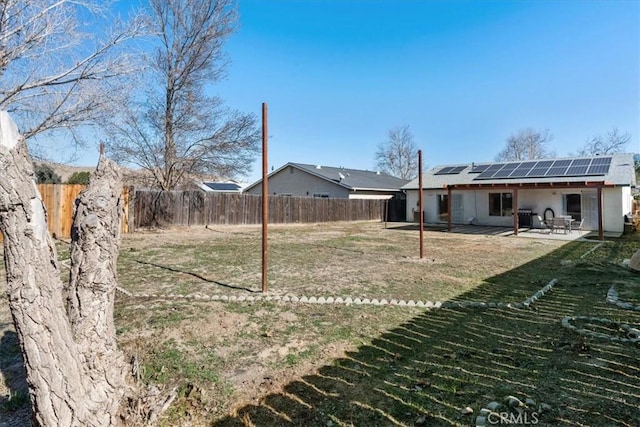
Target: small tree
174	129
612	142
527	144
398	155
79	178
45	174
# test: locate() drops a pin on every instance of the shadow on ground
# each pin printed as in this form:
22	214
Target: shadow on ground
425	371
13	371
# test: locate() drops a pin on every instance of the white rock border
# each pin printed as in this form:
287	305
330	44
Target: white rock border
633	334
350	301
612	298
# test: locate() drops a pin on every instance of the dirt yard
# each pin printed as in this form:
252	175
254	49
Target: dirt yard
277	363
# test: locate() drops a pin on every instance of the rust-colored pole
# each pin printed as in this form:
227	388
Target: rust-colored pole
449	205
600	221
420	204
516	220
265	200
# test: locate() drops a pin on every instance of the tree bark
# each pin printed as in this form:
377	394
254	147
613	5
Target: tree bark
75	374
95	242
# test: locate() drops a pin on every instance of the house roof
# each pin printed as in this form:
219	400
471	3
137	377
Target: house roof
621	172
352	179
227	187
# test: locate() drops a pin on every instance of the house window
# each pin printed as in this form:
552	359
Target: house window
500	204
321	195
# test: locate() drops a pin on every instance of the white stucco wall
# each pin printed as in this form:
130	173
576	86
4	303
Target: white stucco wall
294	182
616	202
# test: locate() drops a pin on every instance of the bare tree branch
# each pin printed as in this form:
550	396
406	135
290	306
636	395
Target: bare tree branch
612	142
398	155
59	69
527	144
175	129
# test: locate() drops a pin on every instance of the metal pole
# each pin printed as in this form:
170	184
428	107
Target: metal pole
386	213
600	221
514	205
265	200
449	204
420	204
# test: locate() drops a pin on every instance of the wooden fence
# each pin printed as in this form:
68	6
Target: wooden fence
186	208
59	200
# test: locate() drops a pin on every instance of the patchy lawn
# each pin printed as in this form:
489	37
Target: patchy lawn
275	363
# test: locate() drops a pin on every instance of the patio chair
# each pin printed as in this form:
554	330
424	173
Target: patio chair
546	225
579	227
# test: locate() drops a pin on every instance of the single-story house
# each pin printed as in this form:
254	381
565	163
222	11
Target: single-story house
303	180
594	191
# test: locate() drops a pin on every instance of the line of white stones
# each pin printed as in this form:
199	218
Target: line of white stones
348	300
633	334
612	298
591	250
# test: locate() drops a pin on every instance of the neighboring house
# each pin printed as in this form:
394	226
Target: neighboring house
221	187
593	190
302	180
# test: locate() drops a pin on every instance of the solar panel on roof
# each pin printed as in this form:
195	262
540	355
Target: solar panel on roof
490	171
562	163
479	168
601	161
576	170
544	163
580	162
557	171
598	170
540	169
544	168
502	173
450	170
522	170
444	171
506	170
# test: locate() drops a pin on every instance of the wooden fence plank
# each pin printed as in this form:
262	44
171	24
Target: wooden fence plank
59	201
166	209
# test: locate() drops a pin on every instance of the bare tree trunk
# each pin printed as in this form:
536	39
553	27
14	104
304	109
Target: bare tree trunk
74	371
95	243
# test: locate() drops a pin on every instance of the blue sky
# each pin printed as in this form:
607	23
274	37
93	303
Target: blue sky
464	75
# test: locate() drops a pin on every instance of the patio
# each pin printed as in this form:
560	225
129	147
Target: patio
531	233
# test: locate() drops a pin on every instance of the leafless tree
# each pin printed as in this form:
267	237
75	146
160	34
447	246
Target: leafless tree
612	142
398	155
62	65
527	144
76	374
175	130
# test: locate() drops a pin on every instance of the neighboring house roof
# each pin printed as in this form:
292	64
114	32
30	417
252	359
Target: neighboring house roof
222	187
618	171
352	179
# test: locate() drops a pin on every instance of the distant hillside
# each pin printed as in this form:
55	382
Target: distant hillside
65	171
136	177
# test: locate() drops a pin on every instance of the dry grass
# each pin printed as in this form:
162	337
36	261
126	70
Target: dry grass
266	363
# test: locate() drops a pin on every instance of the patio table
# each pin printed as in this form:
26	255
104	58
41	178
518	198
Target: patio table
562	222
